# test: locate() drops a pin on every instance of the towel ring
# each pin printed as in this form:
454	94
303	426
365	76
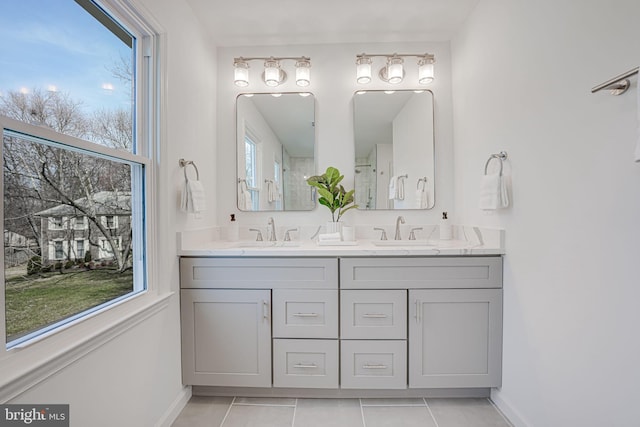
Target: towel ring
500	156
184	163
423	179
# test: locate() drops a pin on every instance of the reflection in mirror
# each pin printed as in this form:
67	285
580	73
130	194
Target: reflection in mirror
275	151
394	146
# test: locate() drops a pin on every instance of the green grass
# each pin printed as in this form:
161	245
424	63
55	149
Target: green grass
33	302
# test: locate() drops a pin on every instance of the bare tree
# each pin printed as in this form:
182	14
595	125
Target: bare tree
39	175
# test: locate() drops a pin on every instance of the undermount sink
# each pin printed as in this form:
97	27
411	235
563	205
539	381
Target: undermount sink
252	244
263	244
424	243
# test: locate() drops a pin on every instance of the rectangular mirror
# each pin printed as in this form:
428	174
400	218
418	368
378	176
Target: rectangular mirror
275	151
394	146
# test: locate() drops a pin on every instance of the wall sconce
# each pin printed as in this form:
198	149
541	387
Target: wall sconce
393	71
273	75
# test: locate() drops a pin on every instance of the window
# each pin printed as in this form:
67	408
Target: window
58	248
68	191
56	223
80	223
251	171
110	221
80	250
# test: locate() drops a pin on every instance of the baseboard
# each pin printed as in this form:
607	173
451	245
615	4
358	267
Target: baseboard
337	393
175	408
507	410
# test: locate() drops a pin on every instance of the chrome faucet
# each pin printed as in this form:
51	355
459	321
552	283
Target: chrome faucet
399	220
271	230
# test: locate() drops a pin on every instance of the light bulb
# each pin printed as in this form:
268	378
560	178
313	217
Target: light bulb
394	70
241	73
303	72
271	72
363	69
425	70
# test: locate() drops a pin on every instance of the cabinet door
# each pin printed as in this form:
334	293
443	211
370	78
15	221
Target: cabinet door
455	338
226	337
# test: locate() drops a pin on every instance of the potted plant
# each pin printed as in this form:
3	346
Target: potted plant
333	195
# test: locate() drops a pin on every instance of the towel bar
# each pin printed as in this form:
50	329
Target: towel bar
617	85
184	163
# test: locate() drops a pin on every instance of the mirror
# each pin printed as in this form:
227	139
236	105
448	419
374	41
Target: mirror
275	151
394	146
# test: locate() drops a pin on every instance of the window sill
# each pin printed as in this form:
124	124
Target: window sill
25	366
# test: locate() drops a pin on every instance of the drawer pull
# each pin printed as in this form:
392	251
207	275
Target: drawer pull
375	315
305	314
374	366
305	366
265	309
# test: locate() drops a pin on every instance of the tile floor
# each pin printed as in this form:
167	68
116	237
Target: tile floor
285	412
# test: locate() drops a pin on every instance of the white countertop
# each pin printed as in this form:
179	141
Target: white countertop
477	241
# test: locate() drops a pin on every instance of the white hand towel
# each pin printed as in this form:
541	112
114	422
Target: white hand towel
637	153
271	192
245	197
193	197
329	237
422	199
493	192
400	188
393	185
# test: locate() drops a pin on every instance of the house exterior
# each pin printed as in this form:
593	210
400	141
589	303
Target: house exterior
70	232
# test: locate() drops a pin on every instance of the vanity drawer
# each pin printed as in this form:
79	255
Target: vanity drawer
373	364
421	272
305	363
305	313
373	314
259	273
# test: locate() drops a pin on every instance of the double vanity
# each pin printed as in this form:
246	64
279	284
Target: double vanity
398	319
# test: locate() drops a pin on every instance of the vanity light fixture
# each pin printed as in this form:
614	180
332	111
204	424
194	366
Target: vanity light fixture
393	71
273	74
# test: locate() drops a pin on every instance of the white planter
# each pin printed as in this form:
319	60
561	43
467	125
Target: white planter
334	227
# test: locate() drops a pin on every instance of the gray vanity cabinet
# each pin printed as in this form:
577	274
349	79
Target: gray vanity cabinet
363	323
227	304
226	337
454	314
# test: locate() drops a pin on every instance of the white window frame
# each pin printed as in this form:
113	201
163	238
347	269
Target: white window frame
80	222
85	248
31	362
54	251
103	251
105	222
56	225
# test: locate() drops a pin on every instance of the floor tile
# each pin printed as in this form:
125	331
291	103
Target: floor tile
328	413
398	416
466	413
276	401
408	401
203	411
259	416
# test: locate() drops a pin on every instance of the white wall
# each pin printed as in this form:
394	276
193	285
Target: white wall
333	84
134	379
522	74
